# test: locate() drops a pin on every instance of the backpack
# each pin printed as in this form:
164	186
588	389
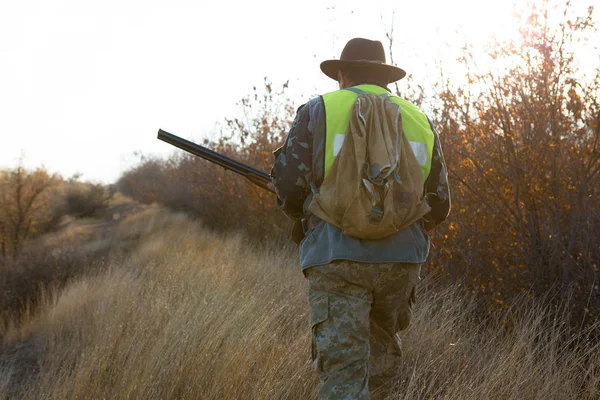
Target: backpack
375	185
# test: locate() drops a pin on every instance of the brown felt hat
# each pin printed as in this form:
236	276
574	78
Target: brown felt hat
364	55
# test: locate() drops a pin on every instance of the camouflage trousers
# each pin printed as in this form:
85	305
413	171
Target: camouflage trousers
356	309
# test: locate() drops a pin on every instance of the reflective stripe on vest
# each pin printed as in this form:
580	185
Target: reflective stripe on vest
338	109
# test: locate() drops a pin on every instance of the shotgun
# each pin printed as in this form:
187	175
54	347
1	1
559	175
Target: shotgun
254	175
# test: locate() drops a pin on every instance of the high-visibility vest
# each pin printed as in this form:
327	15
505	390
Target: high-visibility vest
338	108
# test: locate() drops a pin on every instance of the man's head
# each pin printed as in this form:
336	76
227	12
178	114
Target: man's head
362	61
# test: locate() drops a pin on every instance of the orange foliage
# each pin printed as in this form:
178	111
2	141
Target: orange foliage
523	157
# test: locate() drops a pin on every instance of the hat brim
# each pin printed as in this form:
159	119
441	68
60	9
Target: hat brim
392	73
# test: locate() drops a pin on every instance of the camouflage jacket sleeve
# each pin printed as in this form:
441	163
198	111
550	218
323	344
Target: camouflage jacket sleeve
292	167
437	189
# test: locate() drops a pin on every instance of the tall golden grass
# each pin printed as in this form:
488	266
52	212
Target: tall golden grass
189	314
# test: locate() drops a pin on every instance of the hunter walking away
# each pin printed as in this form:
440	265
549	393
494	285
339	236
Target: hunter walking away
364	173
363	176
392	216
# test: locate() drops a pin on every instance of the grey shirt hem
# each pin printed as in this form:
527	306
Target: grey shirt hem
326	243
372	261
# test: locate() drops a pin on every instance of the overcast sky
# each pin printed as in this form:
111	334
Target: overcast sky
85	84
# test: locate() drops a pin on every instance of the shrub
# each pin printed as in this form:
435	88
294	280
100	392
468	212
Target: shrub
26	206
86	200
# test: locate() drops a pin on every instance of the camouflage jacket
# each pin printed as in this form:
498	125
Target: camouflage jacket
301	160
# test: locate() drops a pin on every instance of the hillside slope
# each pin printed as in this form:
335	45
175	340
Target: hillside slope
181	312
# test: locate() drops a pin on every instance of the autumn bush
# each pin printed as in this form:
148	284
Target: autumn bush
27	201
85	200
521	140
522	147
34	202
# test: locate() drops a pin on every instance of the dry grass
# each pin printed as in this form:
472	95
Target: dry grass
190	314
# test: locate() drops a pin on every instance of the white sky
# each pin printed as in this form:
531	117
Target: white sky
85	84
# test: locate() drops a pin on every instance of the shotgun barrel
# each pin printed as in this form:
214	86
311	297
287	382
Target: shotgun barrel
259	178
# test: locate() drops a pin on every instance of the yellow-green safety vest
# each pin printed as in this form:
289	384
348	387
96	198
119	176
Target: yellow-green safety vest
338	109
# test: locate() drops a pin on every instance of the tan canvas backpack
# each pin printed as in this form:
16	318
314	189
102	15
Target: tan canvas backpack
375	185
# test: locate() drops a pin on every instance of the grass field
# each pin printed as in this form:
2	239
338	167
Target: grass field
177	312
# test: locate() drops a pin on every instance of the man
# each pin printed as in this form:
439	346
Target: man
360	291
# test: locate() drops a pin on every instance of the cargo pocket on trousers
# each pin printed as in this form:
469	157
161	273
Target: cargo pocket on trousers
319	312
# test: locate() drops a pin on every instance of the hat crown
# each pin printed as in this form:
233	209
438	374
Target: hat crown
366	56
359	49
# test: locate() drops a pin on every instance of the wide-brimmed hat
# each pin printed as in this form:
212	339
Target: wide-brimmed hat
364	55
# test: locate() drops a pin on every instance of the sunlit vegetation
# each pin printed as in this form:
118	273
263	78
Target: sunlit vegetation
108	296
521	139
523	147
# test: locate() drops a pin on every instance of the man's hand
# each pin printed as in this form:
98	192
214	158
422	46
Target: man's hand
271	186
